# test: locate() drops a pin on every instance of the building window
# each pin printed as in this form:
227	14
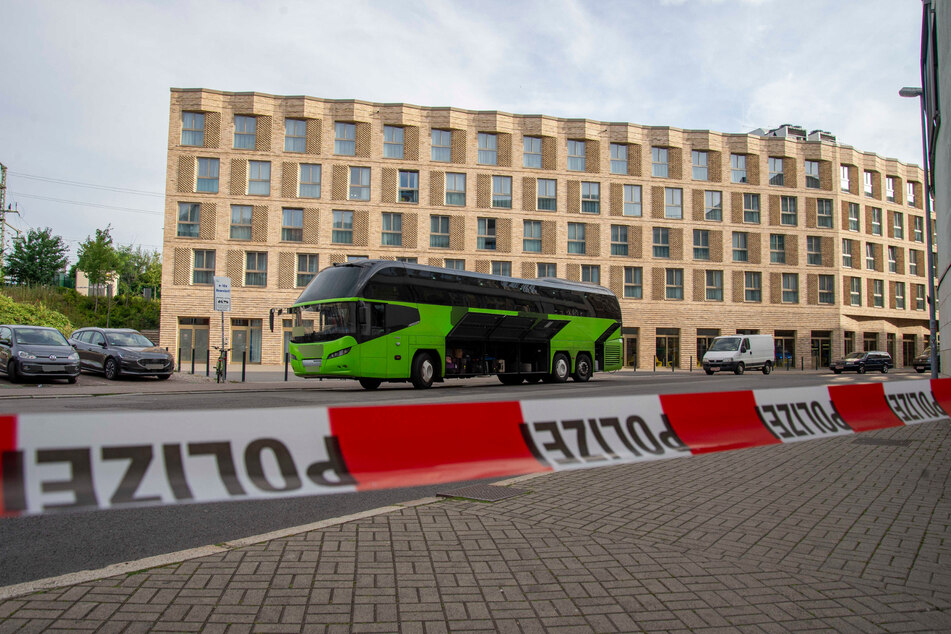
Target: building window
618	240
661	242
345	135
208	175
488	149
714	286
740	246
812	174
674	284
790	288
359	183
878	293
701	244
501	268
307	267
485	238
919	229
876	221
204	270
855	291
844	178
188	220
869	256
775	170
673	202
919	296
898	224
632	200
853	217
442	145
752	286
814	250
910	193
532	236
532	152
618	158
737	168
456	265
255	269
827	289
777	248
789	214
576	238
342	227
406	259
245	132
590	198
890	189
240	222
455	189
409	187
900	295
259	178
713	206
846	253
439	232
547	198
633	282
309	181
392	230
659	166
893	259
700	170
912	262
502	191
591	273
193	128
867	177
751	210
295	135
576	156
392	142
546	269
824	213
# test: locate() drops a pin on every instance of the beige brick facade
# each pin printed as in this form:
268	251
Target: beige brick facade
817	318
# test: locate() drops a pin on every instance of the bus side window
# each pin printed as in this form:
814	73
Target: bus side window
377	319
399	317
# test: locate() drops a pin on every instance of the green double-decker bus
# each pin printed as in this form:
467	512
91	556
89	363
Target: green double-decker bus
377	321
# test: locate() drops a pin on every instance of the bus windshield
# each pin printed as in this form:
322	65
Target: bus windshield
727	344
325	322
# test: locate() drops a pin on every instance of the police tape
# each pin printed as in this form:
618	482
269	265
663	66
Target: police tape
68	462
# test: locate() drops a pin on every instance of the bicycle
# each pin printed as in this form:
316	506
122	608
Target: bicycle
221	366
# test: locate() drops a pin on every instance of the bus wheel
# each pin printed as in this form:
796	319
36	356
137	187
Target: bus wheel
535	378
370	384
560	368
423	371
582	368
510	379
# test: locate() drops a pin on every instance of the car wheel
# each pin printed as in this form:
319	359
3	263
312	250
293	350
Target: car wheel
71	380
709	372
767	368
423	372
920	370
370	384
162	377
885	369
111	369
861	369
12	373
838	371
740	368
583	368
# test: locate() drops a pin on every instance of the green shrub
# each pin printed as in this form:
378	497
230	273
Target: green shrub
124	311
37	314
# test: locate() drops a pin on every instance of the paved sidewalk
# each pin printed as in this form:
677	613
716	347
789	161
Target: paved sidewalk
844	534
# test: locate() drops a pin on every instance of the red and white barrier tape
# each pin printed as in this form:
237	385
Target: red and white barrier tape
57	462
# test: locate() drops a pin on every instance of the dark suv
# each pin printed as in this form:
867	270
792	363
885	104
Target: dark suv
117	351
923	361
861	362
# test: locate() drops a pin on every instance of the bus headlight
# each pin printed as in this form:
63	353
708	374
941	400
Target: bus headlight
338	353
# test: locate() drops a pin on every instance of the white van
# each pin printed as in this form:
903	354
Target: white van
740	353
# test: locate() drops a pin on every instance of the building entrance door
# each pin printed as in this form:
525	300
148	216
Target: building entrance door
822	347
908	345
785	348
246	338
193	336
630	335
705	338
668	347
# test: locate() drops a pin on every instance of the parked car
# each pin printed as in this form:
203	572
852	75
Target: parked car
117	351
923	361
862	362
36	352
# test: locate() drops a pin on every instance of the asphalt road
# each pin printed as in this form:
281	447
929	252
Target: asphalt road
43	546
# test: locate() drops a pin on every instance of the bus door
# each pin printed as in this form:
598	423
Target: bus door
386	350
373	349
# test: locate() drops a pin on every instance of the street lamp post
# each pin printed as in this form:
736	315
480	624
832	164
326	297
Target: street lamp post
919	93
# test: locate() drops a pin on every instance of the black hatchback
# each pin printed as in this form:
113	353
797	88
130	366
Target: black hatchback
862	362
117	351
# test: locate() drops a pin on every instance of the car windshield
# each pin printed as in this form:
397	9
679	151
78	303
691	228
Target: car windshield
130	339
726	344
324	322
855	355
40	337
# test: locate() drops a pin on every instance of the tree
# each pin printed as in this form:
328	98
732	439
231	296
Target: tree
138	269
36	259
97	258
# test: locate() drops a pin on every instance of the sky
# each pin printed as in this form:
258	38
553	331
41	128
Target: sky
84	103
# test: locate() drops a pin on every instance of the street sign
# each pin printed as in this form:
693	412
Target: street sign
223	294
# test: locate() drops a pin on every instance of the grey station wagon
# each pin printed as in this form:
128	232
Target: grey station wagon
117	351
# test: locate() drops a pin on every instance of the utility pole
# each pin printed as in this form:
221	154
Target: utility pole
3	220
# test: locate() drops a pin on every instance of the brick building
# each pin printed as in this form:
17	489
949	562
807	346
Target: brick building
698	233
